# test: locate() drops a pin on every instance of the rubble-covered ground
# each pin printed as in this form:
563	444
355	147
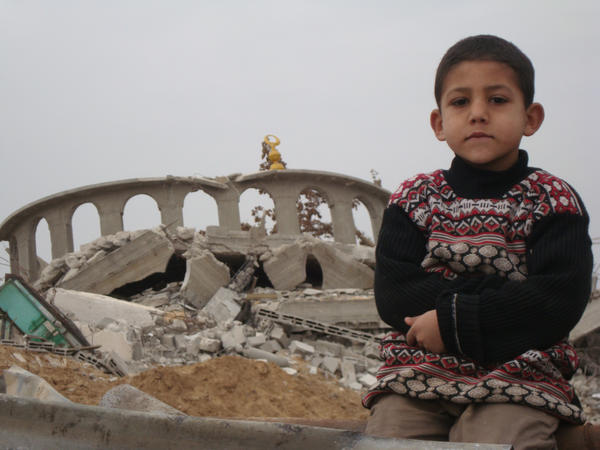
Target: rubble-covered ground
190	346
228	386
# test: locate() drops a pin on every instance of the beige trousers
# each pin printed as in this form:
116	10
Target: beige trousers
523	427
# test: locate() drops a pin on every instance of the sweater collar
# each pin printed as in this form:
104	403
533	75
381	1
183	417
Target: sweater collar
471	182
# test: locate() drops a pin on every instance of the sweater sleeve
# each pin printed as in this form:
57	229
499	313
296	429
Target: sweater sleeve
498	320
402	287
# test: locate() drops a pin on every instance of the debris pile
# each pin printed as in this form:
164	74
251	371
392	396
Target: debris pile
154	299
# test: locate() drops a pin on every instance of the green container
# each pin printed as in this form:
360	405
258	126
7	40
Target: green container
33	316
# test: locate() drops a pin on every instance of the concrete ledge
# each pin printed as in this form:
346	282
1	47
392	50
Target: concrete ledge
31	424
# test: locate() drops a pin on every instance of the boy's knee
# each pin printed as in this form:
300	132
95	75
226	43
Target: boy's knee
397	416
521	426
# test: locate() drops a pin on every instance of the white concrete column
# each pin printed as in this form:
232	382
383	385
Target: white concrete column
170	203
286	213
61	232
111	215
26	256
343	221
228	204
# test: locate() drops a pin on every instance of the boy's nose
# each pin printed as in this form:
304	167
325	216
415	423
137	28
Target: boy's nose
478	112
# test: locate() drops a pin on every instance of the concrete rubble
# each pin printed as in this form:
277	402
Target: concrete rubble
208	309
135	259
204	276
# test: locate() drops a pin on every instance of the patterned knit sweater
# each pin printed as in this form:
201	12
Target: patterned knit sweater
505	260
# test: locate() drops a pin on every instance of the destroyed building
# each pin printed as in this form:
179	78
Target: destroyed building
175	295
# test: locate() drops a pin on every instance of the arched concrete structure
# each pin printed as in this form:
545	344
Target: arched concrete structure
284	187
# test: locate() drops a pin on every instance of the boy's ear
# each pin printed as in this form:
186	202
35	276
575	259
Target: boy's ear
435	119
535	117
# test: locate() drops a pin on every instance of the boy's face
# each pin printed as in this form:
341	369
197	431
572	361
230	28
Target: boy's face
482	114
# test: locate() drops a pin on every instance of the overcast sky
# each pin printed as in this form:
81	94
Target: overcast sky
95	91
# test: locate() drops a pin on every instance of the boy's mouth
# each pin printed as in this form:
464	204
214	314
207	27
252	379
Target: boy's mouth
478	134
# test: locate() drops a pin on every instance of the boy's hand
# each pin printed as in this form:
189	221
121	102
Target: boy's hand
425	332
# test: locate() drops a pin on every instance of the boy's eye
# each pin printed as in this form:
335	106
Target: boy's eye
458	101
498	100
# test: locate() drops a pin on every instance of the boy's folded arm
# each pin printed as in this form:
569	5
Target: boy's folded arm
402	287
502	319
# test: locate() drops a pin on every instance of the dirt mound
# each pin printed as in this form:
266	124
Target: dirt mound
229	386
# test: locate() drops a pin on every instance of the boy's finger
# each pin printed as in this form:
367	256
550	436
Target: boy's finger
409	321
410	337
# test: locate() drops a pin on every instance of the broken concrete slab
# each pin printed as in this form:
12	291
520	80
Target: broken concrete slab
589	322
92	308
286	268
200	343
348	372
330	364
279	334
255	353
367	379
147	254
223	305
271	346
234	337
341	270
204	275
301	347
128	397
115	340
355	313
21	383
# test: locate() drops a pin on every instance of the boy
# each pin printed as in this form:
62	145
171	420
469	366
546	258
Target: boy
483	269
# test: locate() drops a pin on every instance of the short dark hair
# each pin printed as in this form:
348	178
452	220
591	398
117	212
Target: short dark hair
485	47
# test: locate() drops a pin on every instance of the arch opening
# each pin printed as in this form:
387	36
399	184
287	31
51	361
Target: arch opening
362	223
314	215
314	273
141	212
200	210
257	209
43	243
85	223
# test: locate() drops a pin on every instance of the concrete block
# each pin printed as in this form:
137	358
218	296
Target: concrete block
328	348
257	340
279	334
271	346
204	275
330	364
185	233
209	345
125	396
371	350
339	269
316	361
97	257
143	256
255	353
234	337
178	325
367	379
286	268
154	301
115	341
181	341
223	305
301	347
348	372
290	370
168	341
353	314
92	308
21	383
355	385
